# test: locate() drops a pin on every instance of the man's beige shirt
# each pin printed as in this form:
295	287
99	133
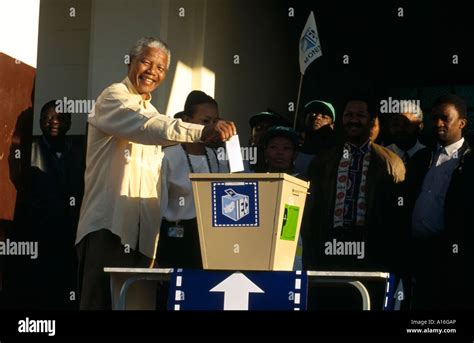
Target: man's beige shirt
123	166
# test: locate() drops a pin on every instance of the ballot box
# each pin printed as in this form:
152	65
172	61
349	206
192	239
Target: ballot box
248	221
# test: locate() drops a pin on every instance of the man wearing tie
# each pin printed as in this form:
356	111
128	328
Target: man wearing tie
405	130
437	178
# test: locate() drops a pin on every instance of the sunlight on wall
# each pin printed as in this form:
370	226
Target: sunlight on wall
204	80
185	80
19	21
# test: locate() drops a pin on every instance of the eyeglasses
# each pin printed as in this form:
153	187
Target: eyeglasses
315	115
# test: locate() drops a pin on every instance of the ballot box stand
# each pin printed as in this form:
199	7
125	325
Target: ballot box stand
135	288
247	222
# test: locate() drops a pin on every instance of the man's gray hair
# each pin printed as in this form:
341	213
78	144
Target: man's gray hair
413	108
151	42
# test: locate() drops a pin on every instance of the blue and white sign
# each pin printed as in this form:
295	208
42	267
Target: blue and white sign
235	204
310	46
219	290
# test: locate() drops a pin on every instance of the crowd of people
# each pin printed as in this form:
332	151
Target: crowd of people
408	202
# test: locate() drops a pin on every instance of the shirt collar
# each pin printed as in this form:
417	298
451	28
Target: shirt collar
415	148
48	145
452	148
131	88
410	152
396	149
364	148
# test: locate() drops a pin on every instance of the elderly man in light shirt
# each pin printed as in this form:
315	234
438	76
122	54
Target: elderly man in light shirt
119	222
405	130
435	178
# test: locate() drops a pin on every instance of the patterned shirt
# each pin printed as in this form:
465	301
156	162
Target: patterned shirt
353	183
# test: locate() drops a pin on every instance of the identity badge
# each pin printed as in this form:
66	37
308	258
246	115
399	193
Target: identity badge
176	231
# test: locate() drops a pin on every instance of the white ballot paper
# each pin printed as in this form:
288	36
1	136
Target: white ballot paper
232	147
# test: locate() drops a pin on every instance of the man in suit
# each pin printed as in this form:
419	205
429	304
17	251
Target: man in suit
405	129
440	191
354	199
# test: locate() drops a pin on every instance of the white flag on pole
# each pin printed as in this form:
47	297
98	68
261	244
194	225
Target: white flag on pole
310	47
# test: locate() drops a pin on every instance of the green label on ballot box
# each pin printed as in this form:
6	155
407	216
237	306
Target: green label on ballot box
290	222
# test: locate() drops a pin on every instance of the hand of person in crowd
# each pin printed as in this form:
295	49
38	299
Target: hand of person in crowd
220	130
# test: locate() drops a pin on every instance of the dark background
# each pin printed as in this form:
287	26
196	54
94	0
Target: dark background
407	57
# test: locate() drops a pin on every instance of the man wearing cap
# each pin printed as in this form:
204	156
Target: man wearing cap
405	130
318	114
259	124
318	134
119	221
354	199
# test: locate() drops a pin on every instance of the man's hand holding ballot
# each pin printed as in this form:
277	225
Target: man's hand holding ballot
120	215
219	130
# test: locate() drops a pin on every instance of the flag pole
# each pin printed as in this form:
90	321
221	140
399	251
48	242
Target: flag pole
309	50
298	101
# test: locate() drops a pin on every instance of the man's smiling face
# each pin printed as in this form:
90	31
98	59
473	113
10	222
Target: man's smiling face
147	70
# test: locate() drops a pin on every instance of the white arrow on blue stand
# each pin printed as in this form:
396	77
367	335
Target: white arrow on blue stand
236	288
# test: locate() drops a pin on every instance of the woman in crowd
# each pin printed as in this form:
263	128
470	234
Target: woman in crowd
280	146
178	244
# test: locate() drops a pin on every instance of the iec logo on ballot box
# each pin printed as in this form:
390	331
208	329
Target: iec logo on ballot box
235	204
